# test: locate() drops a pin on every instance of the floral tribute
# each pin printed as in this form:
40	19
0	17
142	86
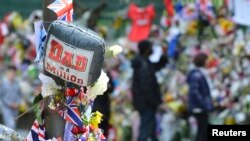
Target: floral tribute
74	104
71	101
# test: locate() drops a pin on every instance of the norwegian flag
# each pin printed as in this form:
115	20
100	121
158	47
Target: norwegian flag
72	113
63	9
37	132
206	6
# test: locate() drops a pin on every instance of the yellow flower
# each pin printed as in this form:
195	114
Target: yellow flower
226	25
95	119
91	138
192	28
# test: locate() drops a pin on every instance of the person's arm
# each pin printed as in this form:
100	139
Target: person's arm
161	64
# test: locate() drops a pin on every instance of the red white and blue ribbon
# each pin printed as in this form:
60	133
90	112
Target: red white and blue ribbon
63	9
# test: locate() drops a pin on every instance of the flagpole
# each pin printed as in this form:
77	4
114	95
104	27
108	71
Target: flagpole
48	15
28	110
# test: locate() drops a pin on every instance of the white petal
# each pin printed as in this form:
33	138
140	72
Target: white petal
116	49
99	87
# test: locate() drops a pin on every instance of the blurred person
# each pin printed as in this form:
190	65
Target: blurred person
10	97
2	67
199	95
146	91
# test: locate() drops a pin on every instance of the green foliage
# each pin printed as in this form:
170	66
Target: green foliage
37	99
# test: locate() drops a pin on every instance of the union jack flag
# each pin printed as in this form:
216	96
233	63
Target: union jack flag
72	113
63	9
37	132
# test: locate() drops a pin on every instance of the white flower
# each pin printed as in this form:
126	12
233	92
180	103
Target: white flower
99	87
49	86
52	105
115	50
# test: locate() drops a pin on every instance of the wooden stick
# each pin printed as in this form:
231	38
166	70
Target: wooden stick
31	108
48	15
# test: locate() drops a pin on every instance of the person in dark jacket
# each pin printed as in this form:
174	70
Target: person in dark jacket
199	98
145	89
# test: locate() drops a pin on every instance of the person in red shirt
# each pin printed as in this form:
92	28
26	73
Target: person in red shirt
142	19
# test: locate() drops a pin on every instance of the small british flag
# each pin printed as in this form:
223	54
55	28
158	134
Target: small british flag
63	9
37	132
71	114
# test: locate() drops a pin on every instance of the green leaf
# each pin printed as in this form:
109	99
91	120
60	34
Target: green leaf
38	112
108	54
37	107
37	99
85	120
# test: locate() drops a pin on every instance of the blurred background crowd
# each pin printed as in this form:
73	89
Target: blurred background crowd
181	33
